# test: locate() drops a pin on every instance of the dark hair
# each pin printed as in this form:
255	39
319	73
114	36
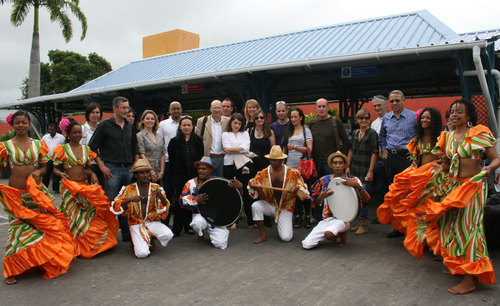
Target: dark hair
229	99
53	124
116	101
436	125
471	110
72	123
239	117
265	128
20	113
179	131
90	108
290	129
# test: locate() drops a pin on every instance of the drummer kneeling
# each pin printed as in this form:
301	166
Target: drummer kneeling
145	204
190	199
277	188
330	228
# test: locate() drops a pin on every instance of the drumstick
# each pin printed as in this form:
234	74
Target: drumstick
273	188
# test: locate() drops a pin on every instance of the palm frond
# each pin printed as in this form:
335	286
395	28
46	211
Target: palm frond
19	12
75	9
59	15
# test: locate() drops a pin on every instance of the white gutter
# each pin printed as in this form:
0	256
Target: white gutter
378	55
496	74
476	57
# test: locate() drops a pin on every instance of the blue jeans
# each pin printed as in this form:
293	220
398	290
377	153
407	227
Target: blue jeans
111	186
323	169
218	162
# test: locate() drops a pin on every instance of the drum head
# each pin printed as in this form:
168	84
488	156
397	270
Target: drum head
224	203
344	202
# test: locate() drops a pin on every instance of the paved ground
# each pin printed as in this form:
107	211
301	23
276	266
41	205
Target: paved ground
371	270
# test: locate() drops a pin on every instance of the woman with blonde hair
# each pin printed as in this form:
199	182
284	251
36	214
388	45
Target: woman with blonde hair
151	147
362	158
251	107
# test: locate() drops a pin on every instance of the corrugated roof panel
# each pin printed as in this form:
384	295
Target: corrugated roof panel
381	33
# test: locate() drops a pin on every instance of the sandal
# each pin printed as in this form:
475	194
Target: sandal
307	222
297	222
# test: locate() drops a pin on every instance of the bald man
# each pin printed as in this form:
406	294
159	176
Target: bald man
168	130
328	136
210	129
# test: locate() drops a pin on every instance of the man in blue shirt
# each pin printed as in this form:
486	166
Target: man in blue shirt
398	128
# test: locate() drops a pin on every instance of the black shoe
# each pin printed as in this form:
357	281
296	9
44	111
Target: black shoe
394	234
375	221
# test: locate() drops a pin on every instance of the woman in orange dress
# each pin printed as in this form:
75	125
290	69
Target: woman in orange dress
458	215
38	234
92	224
406	190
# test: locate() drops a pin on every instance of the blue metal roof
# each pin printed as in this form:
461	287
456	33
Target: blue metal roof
371	35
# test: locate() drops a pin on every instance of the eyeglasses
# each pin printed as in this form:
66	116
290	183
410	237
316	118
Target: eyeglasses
186	116
395	101
280	102
259	117
364	118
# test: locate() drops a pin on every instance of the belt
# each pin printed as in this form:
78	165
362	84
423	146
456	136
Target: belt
120	164
217	155
397	152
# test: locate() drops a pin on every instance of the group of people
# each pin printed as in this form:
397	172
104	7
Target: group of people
434	187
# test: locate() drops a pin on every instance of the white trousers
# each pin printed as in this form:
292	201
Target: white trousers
262	208
219	235
317	234
157	229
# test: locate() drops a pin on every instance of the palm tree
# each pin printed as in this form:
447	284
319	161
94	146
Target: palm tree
58	12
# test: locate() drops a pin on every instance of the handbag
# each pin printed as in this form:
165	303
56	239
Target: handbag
306	166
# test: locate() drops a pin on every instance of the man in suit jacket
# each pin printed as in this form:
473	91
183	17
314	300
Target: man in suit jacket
210	129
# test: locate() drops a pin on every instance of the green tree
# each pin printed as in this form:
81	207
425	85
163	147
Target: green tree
58	10
67	70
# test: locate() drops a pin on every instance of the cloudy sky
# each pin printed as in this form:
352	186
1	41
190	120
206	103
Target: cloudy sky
116	27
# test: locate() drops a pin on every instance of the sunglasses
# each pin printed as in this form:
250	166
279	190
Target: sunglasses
259	117
395	101
364	118
280	102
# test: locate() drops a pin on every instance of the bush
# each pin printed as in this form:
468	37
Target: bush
310	116
8	135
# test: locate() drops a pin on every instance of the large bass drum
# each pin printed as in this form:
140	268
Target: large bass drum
344	202
224	203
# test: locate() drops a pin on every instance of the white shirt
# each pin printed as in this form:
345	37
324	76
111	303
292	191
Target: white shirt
86	134
168	130
53	142
376	125
216	147
240	140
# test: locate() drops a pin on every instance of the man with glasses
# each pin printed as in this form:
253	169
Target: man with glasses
227	107
329	136
281	124
210	129
398	128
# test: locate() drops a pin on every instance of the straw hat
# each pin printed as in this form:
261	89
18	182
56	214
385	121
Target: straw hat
140	165
333	155
276	153
204	161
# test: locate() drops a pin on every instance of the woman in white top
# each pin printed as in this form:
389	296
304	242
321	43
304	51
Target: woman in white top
297	140
236	141
93	114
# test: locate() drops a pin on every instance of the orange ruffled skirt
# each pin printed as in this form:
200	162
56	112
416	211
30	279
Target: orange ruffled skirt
38	234
92	224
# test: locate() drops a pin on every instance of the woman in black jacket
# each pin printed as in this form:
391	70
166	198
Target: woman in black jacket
183	150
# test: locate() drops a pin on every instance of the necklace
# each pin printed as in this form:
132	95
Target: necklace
361	134
259	133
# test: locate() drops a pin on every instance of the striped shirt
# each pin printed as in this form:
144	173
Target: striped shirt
396	132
